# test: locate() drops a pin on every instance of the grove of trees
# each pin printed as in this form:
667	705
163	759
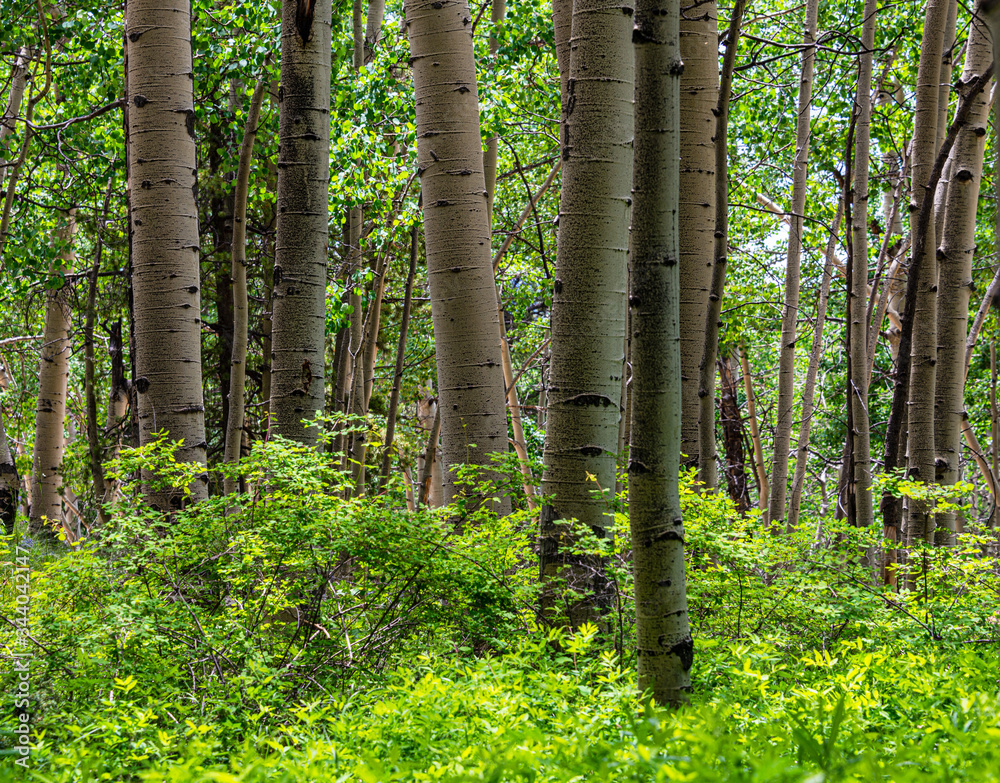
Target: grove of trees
639	349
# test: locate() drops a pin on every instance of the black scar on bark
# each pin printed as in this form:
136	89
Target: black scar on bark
684	649
141	385
305	10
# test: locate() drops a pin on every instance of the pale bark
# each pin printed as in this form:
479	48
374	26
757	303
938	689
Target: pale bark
944	96
957	247
785	408
430	483
373	28
53	376
164	233
18	83
707	450
665	649
989	476
990	299
562	24
457	236
498	9
241	321
699	102
588	307
809	387
858	282
299	307
758	451
923	352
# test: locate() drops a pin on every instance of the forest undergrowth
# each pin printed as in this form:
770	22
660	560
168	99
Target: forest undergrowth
297	634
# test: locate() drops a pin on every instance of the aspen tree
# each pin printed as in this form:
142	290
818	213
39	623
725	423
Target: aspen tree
923	355
790	307
858	282
53	376
164	231
699	102
300	253
809	387
707	451
588	306
457	236
18	82
957	247
241	321
665	649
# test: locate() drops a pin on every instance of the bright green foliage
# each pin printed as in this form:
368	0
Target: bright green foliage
292	635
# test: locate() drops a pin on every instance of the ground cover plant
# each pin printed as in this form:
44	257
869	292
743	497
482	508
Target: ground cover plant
293	634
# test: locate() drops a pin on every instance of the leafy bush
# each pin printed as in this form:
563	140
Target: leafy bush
292	634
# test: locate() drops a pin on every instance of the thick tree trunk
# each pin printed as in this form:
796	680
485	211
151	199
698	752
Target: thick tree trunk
241	321
164	233
663	637
957	247
708	458
923	356
299	307
790	309
809	387
858	282
53	376
457	236
699	102
588	310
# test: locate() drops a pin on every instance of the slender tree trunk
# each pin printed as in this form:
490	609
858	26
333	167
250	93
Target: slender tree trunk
708	471
164	233
9	483
562	24
429	478
809	388
241	322
588	310
457	236
732	428
299	307
53	376
90	383
699	102
373	28
664	646
990	299
397	376
957	247
758	451
944	96
8	122
790	309
858	282
923	356
118	395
